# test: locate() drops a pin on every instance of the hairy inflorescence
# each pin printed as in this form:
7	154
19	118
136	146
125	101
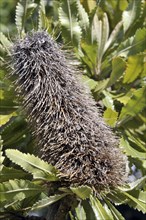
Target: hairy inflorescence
70	132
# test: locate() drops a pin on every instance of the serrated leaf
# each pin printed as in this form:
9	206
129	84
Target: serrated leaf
90	54
23	10
71	29
34	165
19	15
131	13
130	151
113	35
133	45
89	82
117	197
8	173
5	42
82	192
47	201
1	154
135	203
101	29
139	194
98	209
118	68
134	185
108	101
138	44
101	85
5	118
135	104
42	15
134	68
18	190
110	116
117	215
83	16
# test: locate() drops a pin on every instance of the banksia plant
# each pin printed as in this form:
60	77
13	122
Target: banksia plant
79	170
70	132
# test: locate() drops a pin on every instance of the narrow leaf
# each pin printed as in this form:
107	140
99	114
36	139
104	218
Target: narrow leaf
110	117
82	191
8	173
98	209
135	104
134	68
113	35
134	185
71	29
118	68
5	42
135	203
37	167
131	13
18	190
117	215
83	16
130	151
47	201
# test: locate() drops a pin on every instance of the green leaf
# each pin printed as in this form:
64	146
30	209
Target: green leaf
80	212
123	4
1	154
98	209
5	42
135	104
24	9
43	21
113	35
135	203
71	29
110	117
130	151
89	82
117	197
118	68
90	54
134	68
141	195
131	14
34	165
108	101
101	85
18	190
88	210
83	16
5	118
19	16
82	192
134	185
138	44
117	215
100	32
108	211
47	201
8	173
133	45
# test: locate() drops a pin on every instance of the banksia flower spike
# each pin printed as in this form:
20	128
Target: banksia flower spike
70	132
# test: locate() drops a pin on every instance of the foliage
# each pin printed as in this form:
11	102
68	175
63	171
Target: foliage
108	38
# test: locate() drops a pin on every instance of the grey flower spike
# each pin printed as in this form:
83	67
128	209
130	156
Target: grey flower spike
70	132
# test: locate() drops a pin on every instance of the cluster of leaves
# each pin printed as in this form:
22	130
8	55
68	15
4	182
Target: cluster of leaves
108	39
